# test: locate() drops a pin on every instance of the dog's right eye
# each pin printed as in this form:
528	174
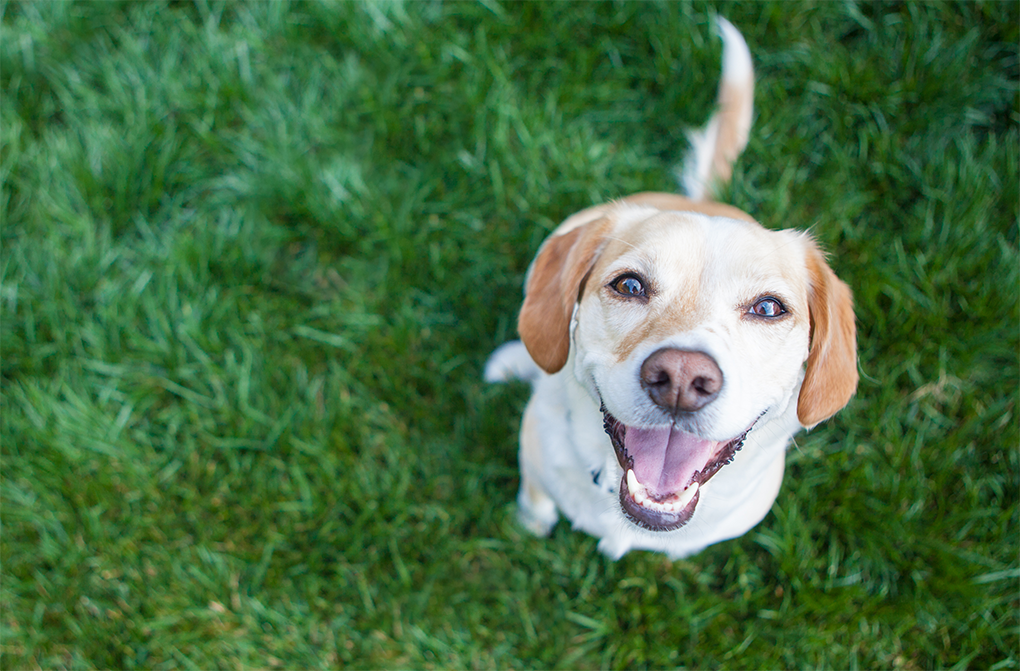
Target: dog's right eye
768	307
628	285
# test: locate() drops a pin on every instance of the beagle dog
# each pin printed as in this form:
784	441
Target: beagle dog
674	346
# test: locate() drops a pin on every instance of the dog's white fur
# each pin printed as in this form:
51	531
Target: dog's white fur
706	266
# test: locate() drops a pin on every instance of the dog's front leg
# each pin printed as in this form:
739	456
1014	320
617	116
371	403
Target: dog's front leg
535	508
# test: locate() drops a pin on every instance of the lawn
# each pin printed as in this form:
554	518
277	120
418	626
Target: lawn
254	256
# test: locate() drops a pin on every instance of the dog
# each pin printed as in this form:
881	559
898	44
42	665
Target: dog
674	346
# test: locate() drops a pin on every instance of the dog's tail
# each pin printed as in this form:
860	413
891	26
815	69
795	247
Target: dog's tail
511	361
715	147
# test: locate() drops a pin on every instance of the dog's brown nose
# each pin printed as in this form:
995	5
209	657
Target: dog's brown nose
677	379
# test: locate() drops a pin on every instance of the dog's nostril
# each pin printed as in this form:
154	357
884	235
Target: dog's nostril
706	385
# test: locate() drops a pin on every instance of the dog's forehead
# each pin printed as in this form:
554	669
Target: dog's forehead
684	247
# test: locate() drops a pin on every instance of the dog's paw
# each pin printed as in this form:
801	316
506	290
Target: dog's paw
613	547
537	517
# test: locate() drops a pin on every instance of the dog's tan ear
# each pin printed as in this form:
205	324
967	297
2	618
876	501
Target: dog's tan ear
831	376
554	286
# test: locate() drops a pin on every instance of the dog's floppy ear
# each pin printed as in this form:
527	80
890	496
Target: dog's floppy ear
554	285
831	375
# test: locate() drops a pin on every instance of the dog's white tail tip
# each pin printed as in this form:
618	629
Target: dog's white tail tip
738	68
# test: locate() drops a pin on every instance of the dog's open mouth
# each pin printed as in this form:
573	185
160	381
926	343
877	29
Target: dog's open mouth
664	468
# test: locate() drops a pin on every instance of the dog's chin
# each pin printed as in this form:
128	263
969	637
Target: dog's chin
664	469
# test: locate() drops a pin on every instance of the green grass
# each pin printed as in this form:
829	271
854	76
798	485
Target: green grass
255	255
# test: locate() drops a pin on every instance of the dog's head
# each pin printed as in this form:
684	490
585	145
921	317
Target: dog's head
688	329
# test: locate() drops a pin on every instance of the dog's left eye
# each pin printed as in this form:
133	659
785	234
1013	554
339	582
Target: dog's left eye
628	285
768	307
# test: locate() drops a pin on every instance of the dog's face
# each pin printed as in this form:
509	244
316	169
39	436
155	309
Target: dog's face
688	329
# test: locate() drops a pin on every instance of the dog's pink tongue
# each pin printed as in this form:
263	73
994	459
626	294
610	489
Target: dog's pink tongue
665	460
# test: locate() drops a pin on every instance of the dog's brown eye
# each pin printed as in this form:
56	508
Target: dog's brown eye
628	285
768	307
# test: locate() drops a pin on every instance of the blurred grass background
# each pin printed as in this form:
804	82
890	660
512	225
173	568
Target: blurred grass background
254	256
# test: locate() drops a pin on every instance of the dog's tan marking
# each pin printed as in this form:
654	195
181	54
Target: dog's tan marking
830	378
553	285
673	202
676	317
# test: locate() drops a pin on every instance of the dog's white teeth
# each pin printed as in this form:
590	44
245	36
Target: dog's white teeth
632	483
640	495
687	496
637	490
